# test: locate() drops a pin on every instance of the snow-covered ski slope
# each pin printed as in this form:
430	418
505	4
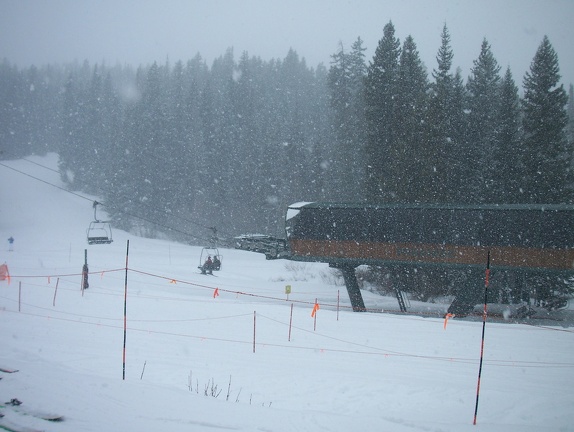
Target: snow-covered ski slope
270	370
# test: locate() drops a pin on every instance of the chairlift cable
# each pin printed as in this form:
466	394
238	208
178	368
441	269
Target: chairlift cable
40	165
214	229
46	182
106	205
112	206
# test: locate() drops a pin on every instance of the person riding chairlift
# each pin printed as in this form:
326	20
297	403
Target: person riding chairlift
207	266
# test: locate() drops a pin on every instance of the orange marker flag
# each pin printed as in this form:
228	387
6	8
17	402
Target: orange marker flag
216	292
172	281
446	317
315	309
4	273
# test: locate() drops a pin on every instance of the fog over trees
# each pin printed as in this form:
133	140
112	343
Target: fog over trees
183	146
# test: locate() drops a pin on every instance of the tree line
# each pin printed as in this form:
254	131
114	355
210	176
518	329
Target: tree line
441	140
181	148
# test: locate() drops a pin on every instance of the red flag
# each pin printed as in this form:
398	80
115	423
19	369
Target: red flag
216	292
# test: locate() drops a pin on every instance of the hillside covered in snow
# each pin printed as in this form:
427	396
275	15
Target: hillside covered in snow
153	345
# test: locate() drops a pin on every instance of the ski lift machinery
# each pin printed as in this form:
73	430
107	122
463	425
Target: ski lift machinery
99	232
211	251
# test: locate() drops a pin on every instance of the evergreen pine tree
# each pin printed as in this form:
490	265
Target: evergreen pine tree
178	165
358	72
546	158
10	118
483	126
507	157
72	150
249	102
95	141
196	76
216	169
570	127
345	81
39	109
441	172
322	138
410	113
380	104
457	176
340	99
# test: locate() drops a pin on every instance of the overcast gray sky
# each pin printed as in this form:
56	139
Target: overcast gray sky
142	31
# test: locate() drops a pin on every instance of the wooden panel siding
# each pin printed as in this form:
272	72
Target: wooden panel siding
437	254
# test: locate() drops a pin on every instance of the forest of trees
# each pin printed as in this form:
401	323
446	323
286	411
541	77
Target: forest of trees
177	148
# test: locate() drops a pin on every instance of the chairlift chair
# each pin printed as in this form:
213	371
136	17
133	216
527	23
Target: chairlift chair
212	252
99	232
